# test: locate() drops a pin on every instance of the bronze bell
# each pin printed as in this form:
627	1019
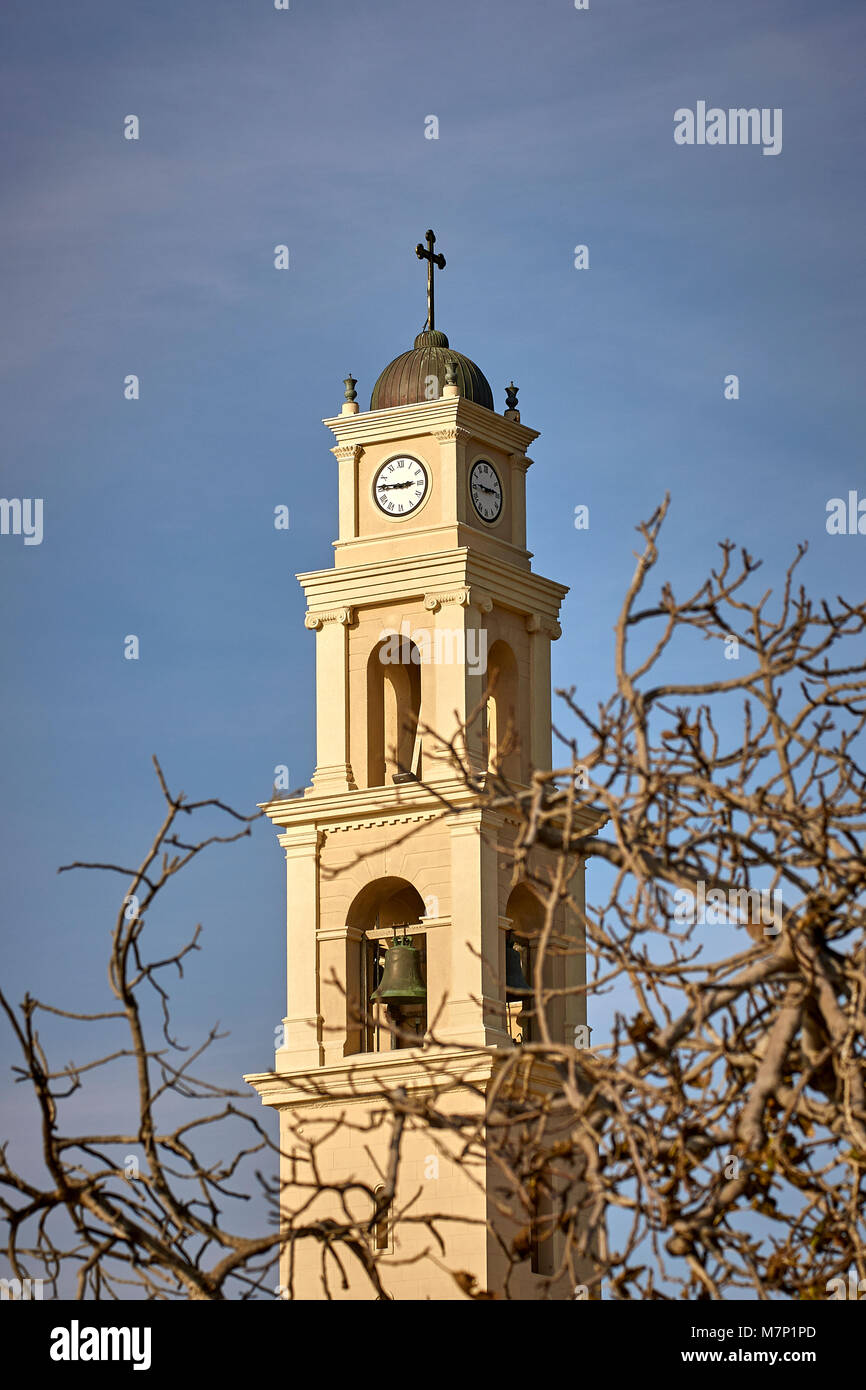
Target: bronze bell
401	981
516	984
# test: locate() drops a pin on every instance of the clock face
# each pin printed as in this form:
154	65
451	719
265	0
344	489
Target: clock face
400	486
485	490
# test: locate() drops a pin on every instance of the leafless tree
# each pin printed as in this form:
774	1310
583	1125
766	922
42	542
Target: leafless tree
717	1140
713	1144
142	1213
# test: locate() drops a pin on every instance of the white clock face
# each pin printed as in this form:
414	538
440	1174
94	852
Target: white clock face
400	486
485	490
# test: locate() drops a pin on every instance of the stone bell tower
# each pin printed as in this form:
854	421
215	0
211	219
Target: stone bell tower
430	629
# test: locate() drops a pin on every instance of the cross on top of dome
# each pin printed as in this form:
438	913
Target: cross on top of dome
421	373
433	259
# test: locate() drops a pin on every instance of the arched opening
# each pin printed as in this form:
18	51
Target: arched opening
386	910
393	707
502	722
526	914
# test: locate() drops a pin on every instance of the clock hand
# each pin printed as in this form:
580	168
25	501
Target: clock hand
491	490
390	487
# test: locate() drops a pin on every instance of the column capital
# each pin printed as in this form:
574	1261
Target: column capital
345	933
451	434
472	820
344	616
465	597
300	840
537	622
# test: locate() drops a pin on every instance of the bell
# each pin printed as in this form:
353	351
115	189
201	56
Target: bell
516	985
401	981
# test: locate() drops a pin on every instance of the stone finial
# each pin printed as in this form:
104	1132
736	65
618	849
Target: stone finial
451	388
351	406
511	411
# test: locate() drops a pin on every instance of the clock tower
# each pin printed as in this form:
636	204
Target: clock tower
406	918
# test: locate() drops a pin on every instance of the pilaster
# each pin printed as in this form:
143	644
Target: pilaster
348	457
333	768
455	676
302	1024
474	1012
542	631
519	465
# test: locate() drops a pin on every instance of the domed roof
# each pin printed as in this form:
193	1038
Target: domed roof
407	379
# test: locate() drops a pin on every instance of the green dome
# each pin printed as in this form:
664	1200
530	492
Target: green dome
406	379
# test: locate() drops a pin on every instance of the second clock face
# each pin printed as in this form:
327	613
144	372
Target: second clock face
485	490
400	486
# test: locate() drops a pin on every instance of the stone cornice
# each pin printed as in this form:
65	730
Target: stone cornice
369	1076
426	417
403	801
303	819
440	571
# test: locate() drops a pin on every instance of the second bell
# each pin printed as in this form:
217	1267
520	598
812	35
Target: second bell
516	984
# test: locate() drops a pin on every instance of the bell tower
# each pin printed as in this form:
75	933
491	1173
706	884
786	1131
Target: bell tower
409	941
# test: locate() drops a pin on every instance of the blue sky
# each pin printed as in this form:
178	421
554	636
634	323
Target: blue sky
155	257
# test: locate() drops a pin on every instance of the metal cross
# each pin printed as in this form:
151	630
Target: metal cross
432	260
